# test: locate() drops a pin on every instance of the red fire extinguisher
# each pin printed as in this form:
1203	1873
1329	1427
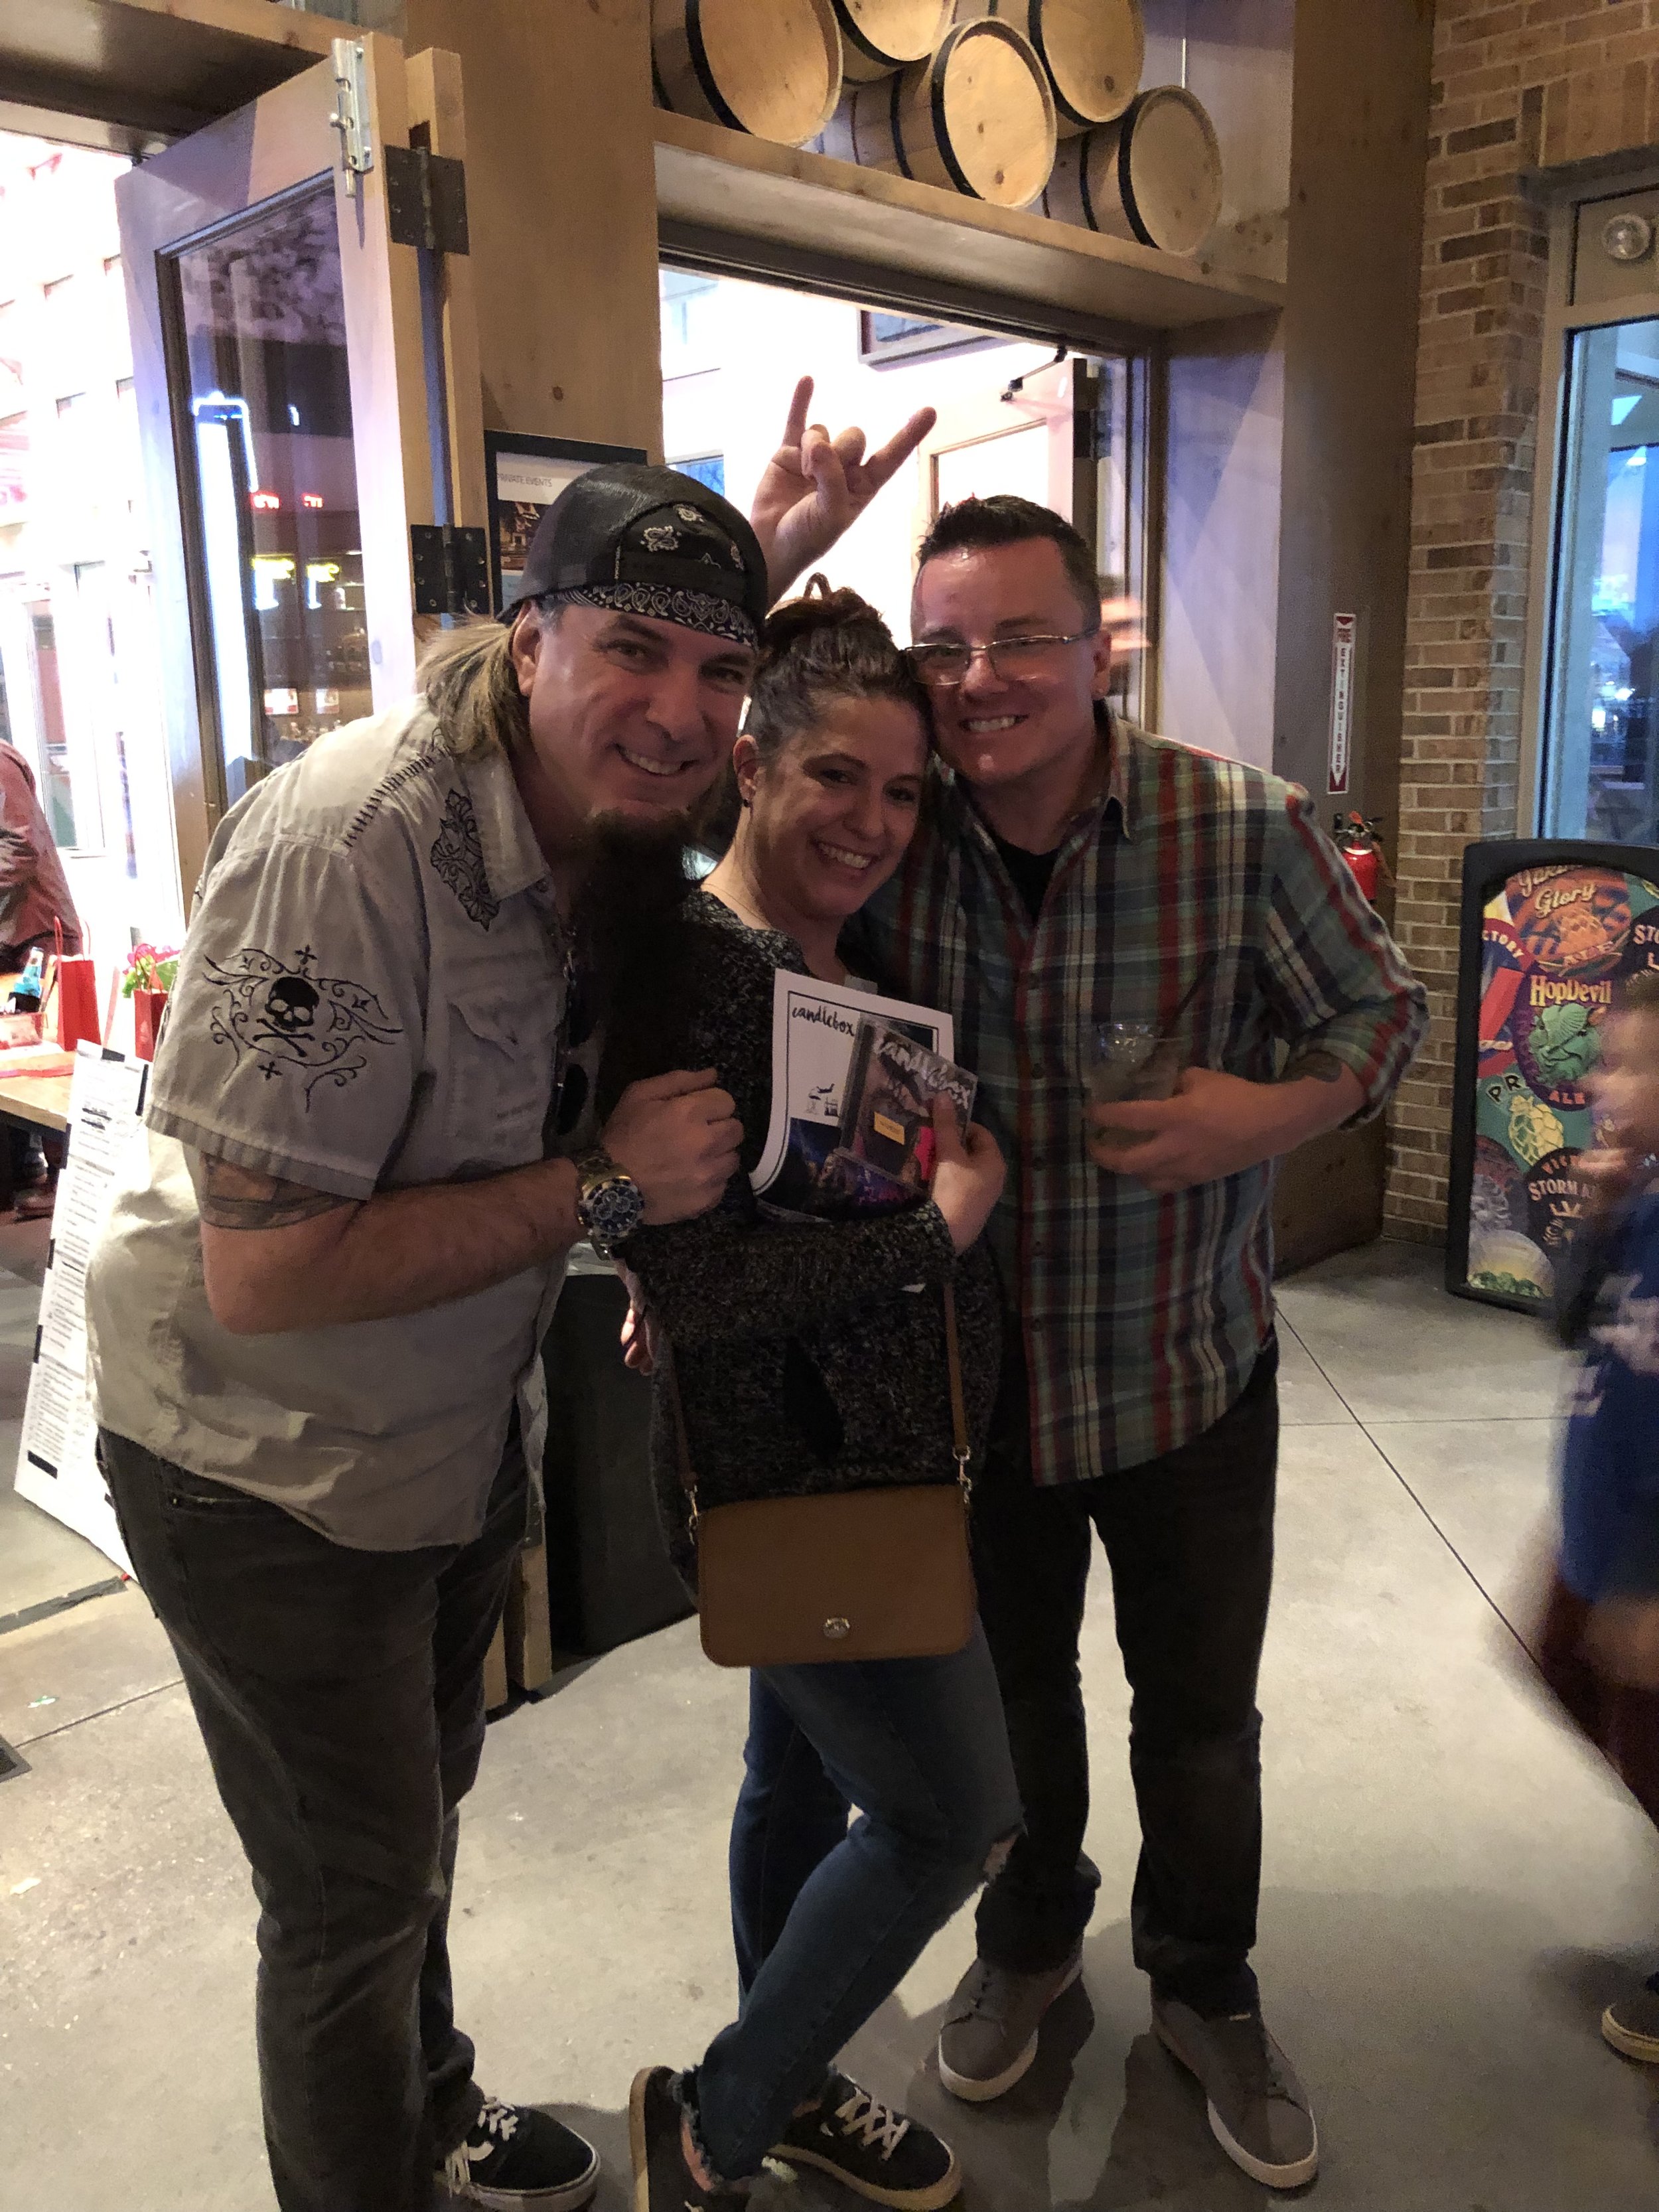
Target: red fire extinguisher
1360	845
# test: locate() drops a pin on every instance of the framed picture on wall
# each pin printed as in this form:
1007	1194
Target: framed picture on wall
525	476
1551	928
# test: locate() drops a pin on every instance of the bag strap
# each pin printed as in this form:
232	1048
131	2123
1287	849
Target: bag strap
681	1441
962	1449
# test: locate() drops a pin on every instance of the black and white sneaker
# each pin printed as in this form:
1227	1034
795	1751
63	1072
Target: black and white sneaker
515	2159
663	2179
871	2149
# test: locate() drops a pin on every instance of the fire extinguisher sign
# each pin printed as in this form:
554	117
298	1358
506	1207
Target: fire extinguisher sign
1344	634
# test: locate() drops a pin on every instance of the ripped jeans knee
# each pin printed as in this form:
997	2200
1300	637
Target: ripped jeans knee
996	1857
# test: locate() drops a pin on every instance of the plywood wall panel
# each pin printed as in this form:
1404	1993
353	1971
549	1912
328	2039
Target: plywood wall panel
561	193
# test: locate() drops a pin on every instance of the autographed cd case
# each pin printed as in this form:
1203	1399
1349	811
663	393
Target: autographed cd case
887	1110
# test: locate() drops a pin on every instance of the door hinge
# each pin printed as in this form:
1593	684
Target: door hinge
451	569
350	116
425	199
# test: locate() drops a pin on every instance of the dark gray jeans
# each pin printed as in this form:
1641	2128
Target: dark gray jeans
1190	1541
340	1694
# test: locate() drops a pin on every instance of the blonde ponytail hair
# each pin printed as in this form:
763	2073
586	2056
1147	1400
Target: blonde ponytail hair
472	688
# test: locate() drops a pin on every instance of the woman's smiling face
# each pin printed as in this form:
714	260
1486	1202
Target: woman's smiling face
830	815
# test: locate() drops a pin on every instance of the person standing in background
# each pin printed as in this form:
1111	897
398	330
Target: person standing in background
35	906
1598	1645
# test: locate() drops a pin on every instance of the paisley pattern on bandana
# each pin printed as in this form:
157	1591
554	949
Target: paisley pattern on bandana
700	611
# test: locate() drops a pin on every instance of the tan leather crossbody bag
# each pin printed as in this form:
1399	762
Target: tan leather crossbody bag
852	1574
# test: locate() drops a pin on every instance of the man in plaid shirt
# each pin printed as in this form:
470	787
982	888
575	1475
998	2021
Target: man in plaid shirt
1072	870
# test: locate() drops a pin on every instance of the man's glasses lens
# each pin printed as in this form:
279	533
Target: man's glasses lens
944	664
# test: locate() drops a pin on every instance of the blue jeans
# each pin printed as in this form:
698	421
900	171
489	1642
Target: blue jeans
920	1745
788	1817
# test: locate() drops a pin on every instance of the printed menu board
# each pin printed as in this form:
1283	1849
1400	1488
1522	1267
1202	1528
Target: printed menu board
1557	934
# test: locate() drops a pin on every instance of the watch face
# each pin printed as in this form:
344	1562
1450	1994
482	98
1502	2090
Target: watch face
614	1208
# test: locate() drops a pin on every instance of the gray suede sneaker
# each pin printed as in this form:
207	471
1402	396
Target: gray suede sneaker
990	2033
1258	2111
1631	2025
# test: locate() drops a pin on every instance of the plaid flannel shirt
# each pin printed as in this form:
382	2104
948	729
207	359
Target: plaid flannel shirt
1141	1316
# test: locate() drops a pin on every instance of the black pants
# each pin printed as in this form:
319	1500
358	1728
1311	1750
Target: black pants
1190	1541
341	1697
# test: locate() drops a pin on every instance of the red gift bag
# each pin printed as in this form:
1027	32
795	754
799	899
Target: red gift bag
147	1008
76	983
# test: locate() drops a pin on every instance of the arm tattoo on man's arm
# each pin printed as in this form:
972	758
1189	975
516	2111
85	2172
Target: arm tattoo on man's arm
1323	1067
230	1197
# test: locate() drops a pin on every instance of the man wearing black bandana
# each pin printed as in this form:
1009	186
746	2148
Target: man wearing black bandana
316	1313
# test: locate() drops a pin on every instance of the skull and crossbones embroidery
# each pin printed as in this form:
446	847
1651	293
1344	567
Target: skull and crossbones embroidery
288	1018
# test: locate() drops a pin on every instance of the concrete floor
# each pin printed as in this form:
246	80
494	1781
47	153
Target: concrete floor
1454	1887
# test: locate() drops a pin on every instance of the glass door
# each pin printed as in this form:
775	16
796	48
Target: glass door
1603	745
299	375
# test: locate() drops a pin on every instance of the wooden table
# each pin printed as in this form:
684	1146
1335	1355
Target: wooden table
41	1101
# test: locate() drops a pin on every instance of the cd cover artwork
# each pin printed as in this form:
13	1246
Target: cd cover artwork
887	1113
805	1172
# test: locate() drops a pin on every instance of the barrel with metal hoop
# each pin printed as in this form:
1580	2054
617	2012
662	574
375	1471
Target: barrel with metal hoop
880	36
976	116
1094	51
774	72
1153	176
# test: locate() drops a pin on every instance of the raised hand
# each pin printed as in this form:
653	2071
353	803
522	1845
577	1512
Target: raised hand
815	487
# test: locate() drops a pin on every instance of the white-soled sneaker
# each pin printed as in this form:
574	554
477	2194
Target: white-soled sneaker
871	2149
1631	2024
1258	2111
989	2037
515	2159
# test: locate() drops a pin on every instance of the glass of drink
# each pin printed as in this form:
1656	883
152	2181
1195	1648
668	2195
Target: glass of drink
1131	1060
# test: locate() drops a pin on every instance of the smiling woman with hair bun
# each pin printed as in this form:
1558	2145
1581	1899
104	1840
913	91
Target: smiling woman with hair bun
812	1357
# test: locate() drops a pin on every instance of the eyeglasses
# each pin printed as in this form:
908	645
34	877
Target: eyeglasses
943	664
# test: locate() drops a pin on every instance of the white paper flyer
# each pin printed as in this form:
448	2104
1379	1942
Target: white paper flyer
814	1026
56	1468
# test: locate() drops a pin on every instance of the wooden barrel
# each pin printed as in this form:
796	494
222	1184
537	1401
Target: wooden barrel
976	116
1153	176
1094	51
880	36
773	71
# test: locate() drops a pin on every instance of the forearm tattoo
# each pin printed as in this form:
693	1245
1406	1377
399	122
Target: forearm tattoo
230	1197
1323	1067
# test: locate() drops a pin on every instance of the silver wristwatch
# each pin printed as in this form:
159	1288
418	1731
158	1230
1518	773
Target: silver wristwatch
610	1204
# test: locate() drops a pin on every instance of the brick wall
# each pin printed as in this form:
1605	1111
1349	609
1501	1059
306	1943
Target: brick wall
1521	88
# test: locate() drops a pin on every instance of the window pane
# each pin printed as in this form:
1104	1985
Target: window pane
277	538
57	793
1602	748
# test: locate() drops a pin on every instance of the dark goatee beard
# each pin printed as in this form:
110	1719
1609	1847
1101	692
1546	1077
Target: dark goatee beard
632	953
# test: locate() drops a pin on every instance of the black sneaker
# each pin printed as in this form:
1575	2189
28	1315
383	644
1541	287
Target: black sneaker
872	2150
1632	2024
514	2158
663	2182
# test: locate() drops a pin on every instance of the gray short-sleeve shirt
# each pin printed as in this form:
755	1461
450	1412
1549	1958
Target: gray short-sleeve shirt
371	996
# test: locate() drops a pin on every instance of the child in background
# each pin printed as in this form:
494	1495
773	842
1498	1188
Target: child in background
1599	1646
